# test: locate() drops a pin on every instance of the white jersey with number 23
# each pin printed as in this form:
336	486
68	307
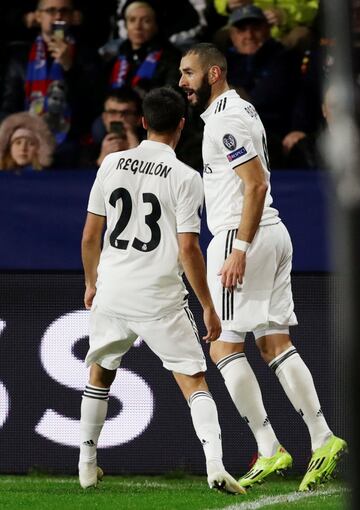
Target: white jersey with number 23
148	196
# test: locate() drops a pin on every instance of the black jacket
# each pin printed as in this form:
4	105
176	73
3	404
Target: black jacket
271	78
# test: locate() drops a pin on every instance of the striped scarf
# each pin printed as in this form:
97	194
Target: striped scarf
145	71
40	74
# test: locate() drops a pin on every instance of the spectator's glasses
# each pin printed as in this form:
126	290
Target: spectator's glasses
53	11
122	113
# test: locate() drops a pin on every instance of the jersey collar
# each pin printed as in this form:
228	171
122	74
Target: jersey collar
151	144
211	108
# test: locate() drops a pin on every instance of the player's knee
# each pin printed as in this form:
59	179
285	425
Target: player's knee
101	377
271	347
220	349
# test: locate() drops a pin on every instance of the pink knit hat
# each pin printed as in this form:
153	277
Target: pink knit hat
23	133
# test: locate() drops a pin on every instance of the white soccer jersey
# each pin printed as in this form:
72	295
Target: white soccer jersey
147	196
233	135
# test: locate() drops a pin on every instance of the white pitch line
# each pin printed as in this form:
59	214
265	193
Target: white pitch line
291	497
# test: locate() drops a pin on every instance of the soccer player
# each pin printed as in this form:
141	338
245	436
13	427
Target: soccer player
249	264
150	202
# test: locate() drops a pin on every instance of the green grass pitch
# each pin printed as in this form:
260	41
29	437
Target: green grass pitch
162	493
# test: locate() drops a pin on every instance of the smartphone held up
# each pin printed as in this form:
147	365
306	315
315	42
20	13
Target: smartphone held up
59	30
118	128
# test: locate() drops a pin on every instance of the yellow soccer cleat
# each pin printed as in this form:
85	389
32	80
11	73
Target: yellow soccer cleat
265	466
323	462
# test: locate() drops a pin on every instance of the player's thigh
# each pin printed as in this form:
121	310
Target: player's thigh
109	339
218	250
281	308
175	340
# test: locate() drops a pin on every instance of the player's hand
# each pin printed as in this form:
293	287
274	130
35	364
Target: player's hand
233	269
89	297
212	324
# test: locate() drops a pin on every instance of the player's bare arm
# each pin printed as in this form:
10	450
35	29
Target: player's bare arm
90	253
255	186
193	263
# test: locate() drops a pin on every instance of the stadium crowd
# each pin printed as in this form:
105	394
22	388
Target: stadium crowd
84	67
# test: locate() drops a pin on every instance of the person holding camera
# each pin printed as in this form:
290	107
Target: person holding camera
120	123
55	56
117	128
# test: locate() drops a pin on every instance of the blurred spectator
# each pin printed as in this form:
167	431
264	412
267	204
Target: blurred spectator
18	20
145	59
94	21
264	72
315	67
183	22
55	77
307	153
289	19
26	143
118	128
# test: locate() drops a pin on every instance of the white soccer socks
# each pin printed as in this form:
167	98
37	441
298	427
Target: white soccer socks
244	390
93	413
298	384
206	424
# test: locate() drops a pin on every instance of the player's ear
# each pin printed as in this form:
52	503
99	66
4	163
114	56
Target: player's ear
214	74
144	123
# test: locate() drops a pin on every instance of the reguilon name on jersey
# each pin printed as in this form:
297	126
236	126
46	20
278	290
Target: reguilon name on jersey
143	167
236	154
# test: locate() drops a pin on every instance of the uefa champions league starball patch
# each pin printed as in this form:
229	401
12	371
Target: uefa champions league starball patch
229	141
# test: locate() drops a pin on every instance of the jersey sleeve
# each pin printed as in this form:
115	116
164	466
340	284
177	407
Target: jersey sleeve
233	137
96	204
189	205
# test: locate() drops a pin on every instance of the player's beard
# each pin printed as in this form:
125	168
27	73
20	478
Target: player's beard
203	94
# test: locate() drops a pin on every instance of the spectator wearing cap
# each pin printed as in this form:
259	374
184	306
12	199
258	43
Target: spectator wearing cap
145	59
26	143
264	72
290	20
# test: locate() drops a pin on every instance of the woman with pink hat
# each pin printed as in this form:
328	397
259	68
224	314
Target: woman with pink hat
25	143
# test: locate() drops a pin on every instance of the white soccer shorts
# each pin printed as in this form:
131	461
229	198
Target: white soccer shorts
173	338
264	300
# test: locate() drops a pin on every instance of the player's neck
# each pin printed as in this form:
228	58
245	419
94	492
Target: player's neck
217	90
167	139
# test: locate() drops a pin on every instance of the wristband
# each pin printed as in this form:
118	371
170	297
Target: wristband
238	244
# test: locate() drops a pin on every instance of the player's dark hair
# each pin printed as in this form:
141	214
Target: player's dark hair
163	108
209	55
